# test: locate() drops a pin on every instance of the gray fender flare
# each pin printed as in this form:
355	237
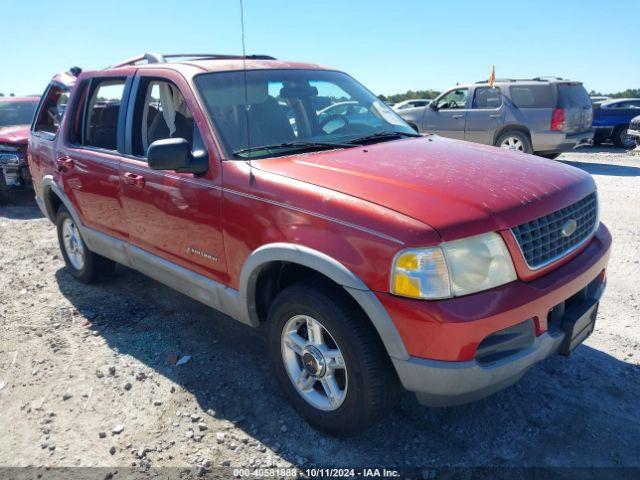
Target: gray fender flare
331	268
48	184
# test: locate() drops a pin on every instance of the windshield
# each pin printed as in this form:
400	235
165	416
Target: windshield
290	110
16	113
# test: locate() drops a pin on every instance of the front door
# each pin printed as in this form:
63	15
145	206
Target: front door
485	116
447	116
172	215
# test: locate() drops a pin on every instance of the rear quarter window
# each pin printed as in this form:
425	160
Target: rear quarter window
573	95
531	96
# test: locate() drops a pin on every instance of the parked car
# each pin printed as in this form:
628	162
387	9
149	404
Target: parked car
612	119
412	103
374	257
598	100
16	114
542	116
634	130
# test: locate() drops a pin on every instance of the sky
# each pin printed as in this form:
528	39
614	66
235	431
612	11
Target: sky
389	46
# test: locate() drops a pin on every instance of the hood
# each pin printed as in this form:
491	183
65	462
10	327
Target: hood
458	188
16	134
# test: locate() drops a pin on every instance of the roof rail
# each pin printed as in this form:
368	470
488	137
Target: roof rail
498	80
150	57
547	78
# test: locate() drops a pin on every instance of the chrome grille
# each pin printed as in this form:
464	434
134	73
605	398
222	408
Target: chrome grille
542	240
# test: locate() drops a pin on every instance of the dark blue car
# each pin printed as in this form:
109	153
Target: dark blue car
611	121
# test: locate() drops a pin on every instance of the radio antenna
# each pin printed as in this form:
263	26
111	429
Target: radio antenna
246	93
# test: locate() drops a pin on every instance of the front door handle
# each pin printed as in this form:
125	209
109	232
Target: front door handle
64	164
495	115
457	116
133	179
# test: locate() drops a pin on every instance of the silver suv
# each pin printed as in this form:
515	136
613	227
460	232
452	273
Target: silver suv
546	116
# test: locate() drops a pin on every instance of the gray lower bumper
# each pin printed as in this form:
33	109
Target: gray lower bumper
438	383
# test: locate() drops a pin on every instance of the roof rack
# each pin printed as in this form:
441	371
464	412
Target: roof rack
151	57
535	79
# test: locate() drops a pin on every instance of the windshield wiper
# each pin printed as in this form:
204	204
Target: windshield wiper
300	145
383	136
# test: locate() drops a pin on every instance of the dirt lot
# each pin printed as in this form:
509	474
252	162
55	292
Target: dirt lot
78	363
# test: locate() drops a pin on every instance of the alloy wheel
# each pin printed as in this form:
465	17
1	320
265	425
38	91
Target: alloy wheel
73	244
512	143
314	362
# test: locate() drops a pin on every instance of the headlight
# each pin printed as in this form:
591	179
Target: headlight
9	159
453	268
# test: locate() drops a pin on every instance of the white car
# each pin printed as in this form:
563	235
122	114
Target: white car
412	103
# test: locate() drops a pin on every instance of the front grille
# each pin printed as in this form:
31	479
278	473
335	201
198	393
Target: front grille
635	123
545	240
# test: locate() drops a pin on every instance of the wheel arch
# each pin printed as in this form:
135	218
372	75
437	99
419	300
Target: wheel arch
257	286
512	127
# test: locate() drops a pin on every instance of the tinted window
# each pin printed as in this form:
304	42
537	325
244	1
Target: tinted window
51	110
101	122
531	96
572	95
16	113
486	97
161	112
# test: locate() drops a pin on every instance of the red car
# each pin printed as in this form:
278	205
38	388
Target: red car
376	257
16	114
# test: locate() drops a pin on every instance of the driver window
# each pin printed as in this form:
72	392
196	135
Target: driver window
161	113
455	99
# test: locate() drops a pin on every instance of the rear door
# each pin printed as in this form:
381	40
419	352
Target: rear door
448	117
485	116
176	216
88	159
578	109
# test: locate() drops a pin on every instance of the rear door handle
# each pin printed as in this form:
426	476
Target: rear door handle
457	116
133	179
64	164
495	115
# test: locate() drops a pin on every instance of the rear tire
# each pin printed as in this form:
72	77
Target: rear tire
85	265
514	140
365	386
4	190
621	139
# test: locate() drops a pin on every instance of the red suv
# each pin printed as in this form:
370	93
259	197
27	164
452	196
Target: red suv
374	256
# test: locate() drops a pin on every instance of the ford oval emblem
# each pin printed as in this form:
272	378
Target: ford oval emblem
569	228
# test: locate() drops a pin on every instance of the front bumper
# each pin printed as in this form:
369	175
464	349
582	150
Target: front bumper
443	337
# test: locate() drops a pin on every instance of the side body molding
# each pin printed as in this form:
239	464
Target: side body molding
331	268
238	304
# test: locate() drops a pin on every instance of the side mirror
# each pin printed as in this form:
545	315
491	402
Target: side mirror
175	154
433	105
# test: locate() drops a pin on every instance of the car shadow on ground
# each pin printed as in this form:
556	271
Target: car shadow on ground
605	168
22	206
564	412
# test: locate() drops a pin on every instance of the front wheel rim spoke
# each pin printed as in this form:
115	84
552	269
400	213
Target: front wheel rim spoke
314	332
331	389
295	342
335	359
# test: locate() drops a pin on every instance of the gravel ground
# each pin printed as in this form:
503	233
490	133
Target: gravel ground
87	374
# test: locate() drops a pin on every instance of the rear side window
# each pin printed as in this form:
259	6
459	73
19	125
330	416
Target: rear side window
51	111
102	114
531	96
573	95
486	97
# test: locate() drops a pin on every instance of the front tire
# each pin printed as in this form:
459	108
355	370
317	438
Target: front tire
622	139
328	359
514	140
4	190
85	265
